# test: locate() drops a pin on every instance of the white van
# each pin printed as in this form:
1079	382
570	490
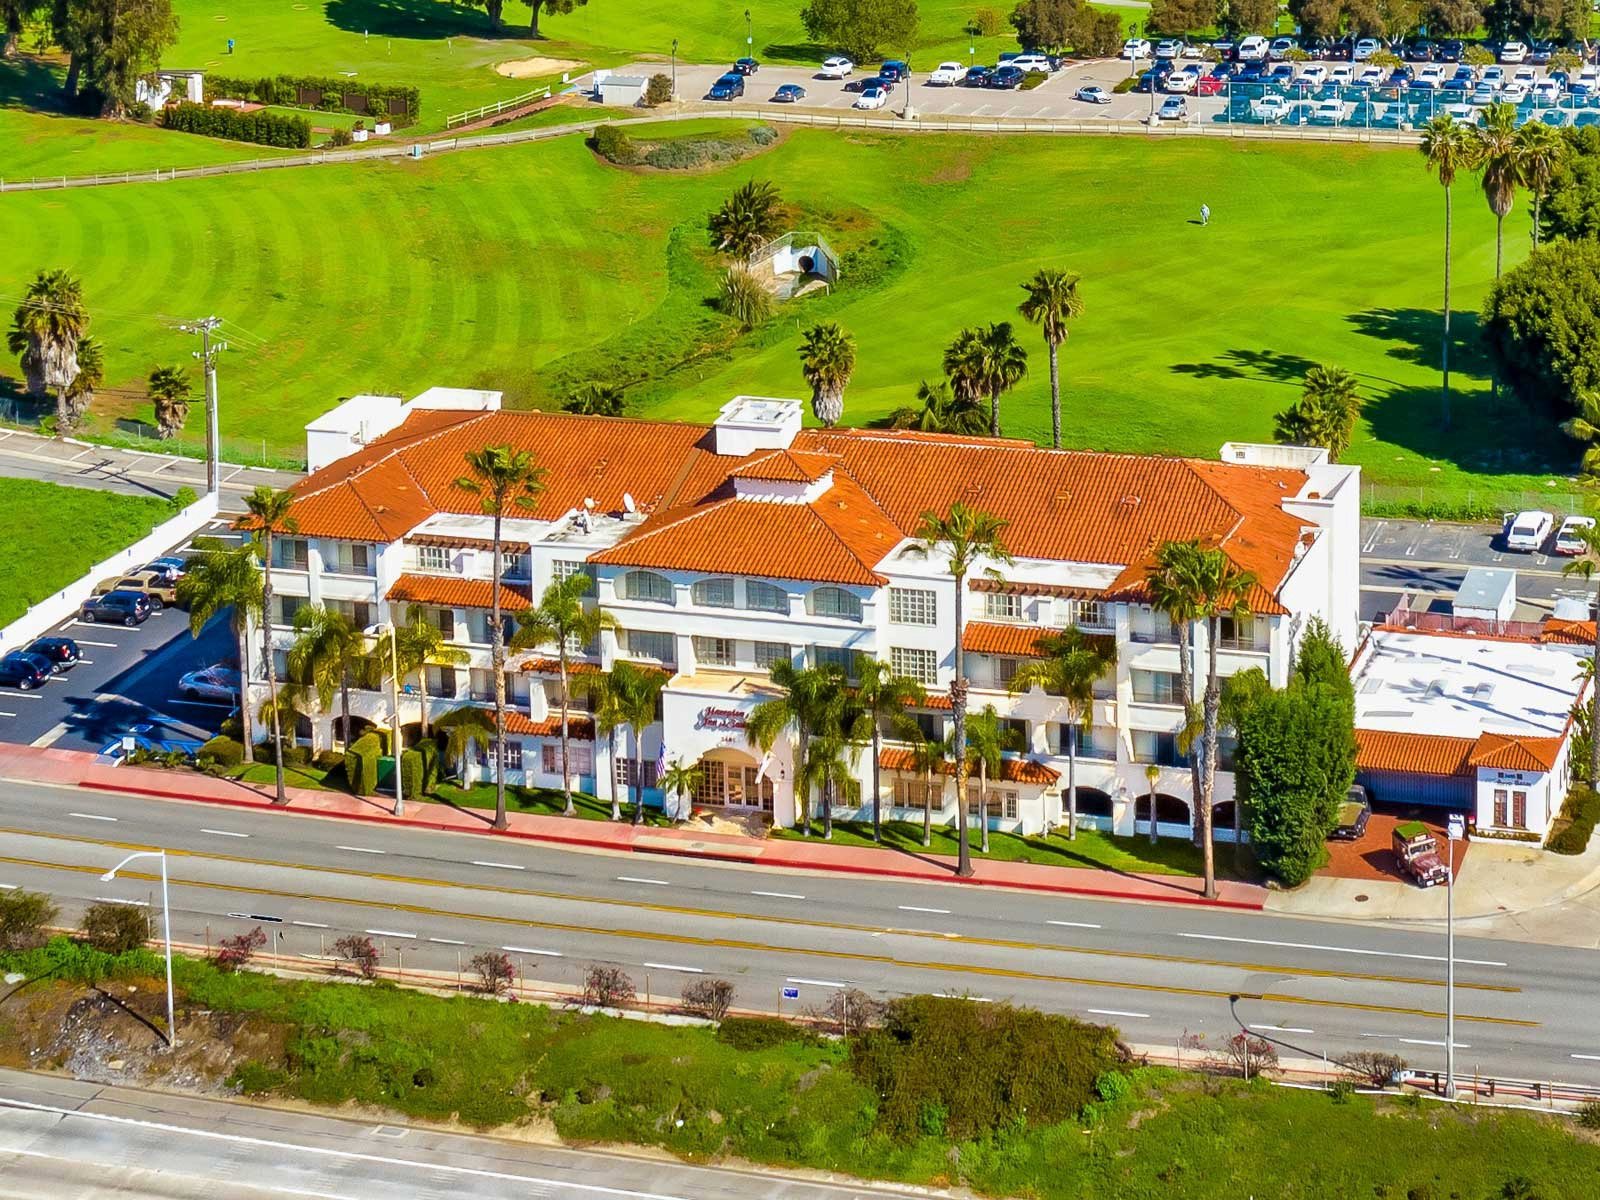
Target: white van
1526	531
1252	49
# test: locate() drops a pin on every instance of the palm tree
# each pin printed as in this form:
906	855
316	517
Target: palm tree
1540	150
1071	663
929	758
91	374
827	360
884	697
802	705
986	362
1174	584
680	781
1325	415
465	729
1585	568
420	644
1152	773
596	399
326	645
226	578
269	515
503	478
967	537
170	391
1448	149
830	765
1499	163
985	744
46	330
1051	302
941	412
561	617
746	219
604	699
637	696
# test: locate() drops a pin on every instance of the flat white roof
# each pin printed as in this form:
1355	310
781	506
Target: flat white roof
1465	686
1485	587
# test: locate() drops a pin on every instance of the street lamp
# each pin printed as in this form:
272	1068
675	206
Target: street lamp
907	112
166	920
1456	828
674	68
377	631
749	35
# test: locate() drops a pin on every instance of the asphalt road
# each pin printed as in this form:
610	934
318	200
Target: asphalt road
434	900
26	455
60	1138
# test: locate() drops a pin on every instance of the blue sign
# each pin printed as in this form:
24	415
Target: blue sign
791	993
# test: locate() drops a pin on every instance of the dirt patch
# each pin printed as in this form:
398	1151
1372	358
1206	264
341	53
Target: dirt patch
957	169
533	68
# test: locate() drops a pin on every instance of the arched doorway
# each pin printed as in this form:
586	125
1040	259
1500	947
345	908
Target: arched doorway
1222	821
1170	811
358	726
1092	802
728	780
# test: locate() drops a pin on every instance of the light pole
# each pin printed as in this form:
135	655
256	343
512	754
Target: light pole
674	68
166	921
1455	829
906	111
388	629
749	35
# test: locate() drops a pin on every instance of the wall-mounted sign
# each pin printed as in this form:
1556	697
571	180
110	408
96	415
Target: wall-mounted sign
727	720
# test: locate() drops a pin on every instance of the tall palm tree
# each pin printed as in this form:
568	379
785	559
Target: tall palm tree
326	646
827	360
604	700
170	392
830	766
504	479
1174	583
1448	149
680	781
985	744
986	363
91	374
929	758
1585	568
967	537
884	697
1499	163
560	617
1540	149
1052	300
269	513
46	330
421	644
1152	774
941	412
1071	663
226	578
805	694
637	692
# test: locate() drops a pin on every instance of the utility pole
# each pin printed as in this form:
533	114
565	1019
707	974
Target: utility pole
210	346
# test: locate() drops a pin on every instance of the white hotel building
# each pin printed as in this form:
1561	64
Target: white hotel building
721	549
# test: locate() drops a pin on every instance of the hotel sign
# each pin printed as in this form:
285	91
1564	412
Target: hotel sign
723	720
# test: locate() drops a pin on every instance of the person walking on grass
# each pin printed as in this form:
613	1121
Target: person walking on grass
1205	214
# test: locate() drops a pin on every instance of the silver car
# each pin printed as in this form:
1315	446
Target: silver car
211	685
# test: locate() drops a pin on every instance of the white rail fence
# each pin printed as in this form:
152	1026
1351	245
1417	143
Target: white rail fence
498	107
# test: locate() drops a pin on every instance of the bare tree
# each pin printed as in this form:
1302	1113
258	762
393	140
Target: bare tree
360	953
849	1011
709	998
494	972
607	987
236	952
1377	1067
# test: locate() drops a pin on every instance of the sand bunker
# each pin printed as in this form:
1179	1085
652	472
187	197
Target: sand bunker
532	68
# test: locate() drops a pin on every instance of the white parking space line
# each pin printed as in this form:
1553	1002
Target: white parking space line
90	816
943	912
530	950
1218	937
87	642
1075	924
7	714
655	882
11	887
396	933
675	967
364	850
780	895
120	900
197	703
501	866
10	695
1117	1012
225	833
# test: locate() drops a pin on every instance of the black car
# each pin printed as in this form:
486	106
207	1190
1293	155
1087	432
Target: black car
22	670
1450	51
977	76
60	652
129	608
1354	813
882	82
1539	52
729	87
1420	51
1316	47
1006	78
745	66
894	70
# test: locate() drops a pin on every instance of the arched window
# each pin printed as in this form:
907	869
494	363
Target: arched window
835	602
713	593
647	585
765	597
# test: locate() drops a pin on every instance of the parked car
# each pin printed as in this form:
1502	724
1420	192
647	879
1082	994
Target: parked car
1355	810
1092	95
1135	48
1173	108
1179	83
789	93
1278	49
894	70
976	76
1420	51
1514	52
61	652
1539	53
171	563
729	87
837	67
1169	48
947	74
1430	76
1526	531
1314	76
151	585
872	97
1418	854
1210	85
24	671
1329	112
127	608
746	66
1341	76
1547	91
1365	48
1494	75
1368	77
1451	50
1006	78
1252	49
1269	108
1569	540
1514	92
1030	63
217	684
1282	74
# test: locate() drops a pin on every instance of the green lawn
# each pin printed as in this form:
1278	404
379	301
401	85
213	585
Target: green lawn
52	535
37	144
562	269
543	801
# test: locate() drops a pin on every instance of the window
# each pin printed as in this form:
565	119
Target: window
992	671
513	755
357	612
580	758
633	772
713	651
930	725
713	593
1156	687
912	606
647	585
921	665
480	623
916	792
564	568
1085	614
1158	748
768	653
765	597
441	682
1243	634
286	607
349	558
1002	606
1152	626
661	647
1099	741
290	554
433	558
1013	733
835	602
513	564
1002	802
834	656
442	619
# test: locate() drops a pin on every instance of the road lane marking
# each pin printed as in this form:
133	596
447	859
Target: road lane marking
943	912
780	895
11	695
501	866
364	850
659	882
1117	1012
90	816
674	967
530	950
1281	1028
1218	937
225	833
8	887
309	924
1075	924
828	983
399	933
87	642
1586	1057
448	941
120	900
1427	1042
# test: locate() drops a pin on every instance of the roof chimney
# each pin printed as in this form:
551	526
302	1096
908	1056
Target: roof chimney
752	423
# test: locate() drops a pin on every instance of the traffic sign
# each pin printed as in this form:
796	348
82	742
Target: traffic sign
791	993
1457	827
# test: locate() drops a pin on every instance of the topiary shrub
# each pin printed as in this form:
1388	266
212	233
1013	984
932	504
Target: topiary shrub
612	143
220	754
327	760
1581	812
431	756
411	773
361	764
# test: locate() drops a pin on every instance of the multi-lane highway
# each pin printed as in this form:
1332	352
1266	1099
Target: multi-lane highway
1154	971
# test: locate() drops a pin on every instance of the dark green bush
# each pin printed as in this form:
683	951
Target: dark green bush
232	727
431	756
1581	812
411	773
1033	79
115	928
760	1033
327	760
1126	85
62	958
221	753
361	764
396	102
252	1078
265	128
24	917
980	1067
612	143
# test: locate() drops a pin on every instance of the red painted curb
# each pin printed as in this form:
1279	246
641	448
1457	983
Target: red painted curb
601	844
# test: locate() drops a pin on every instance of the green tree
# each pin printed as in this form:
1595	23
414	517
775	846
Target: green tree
967	538
884	697
928	756
1499	162
941	412
1448	148
805	696
1540	150
606	704
1541	325
465	729
987	743
1584	568
420	644
985	363
505	480
680	781
1052	300
1453	17
563	619
1248	16
1320	661
327	645
111	43
550	8
47	329
495	10
1070	664
636	697
1047	25
91	374
1585	428
1325	415
596	400
860	28
1175	583
751	216
269	514
1181	16
830	765
170	393
226	578
25	918
827	360
14	18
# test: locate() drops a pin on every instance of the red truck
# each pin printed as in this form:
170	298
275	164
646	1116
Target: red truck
1418	854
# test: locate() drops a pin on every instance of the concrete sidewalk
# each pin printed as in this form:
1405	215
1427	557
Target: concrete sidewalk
75	768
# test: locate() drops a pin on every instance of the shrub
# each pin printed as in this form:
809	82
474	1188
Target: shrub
221	753
400	103
262	127
596	399
115	928
1245	1055
252	1078
607	987
233	727
494	972
741	296
1589	1114
658	91
708	998
411	772
849	1011
1017	1066
236	952
361	764
23	919
1376	1067
327	760
1113	1086
1123	86
182	499
1581	812
429	751
985	23
759	1033
340	137
360	953
762	135
1033	79
1341	1090
612	143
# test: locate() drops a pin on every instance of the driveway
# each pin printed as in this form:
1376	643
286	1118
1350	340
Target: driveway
1372	857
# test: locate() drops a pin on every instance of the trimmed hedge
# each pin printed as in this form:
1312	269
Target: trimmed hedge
264	128
402	105
412	773
431	758
361	764
222	752
1582	811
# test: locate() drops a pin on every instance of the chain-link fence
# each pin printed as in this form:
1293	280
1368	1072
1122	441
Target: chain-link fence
1469	503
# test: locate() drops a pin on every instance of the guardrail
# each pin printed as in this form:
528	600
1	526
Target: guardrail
498	107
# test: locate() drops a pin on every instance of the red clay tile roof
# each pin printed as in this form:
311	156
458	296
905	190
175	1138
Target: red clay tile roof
462	543
552	666
983	637
984	584
786	466
1507	753
1414	753
1013	770
449	591
580	728
1568	633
